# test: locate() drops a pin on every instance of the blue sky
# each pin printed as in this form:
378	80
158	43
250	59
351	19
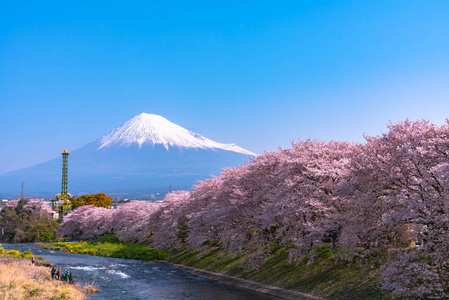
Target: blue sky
257	73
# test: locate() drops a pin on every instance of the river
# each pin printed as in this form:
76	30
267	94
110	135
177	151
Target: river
131	279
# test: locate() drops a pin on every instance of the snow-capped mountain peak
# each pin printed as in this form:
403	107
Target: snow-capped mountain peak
155	129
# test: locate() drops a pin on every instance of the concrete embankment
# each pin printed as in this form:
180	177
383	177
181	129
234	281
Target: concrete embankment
247	284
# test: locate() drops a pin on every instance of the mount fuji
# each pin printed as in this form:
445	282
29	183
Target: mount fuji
146	154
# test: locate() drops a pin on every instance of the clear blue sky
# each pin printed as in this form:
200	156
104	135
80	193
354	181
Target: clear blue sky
257	73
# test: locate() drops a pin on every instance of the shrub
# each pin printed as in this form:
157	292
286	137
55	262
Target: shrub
90	288
27	254
14	253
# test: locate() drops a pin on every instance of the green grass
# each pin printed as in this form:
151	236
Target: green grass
118	250
108	238
35	292
326	277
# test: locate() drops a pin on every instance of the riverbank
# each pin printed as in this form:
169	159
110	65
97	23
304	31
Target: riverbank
20	280
108	249
322	274
251	285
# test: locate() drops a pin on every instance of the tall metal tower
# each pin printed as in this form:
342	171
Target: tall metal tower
65	159
66	206
22	193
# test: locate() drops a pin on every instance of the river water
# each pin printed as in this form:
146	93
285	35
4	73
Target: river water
131	279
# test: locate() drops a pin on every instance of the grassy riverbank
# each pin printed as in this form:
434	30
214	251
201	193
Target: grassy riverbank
109	249
20	280
328	276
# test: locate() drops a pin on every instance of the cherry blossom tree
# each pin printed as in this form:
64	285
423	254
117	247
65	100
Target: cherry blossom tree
304	208
37	205
130	219
401	179
73	221
165	224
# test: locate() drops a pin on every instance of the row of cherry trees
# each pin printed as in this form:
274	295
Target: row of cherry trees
390	192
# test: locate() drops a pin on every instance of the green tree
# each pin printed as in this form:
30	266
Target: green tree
183	229
20	205
98	200
42	231
25	223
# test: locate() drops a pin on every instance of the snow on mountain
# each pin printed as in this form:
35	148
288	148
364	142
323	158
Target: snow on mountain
154	129
146	154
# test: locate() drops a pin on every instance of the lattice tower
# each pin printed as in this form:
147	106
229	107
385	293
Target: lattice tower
64	189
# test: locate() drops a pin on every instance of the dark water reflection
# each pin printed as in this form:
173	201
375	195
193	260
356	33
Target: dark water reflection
131	279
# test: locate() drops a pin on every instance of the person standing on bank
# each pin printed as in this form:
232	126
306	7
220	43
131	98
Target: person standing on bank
33	261
53	272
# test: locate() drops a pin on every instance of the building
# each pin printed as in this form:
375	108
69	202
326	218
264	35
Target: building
3	203
59	206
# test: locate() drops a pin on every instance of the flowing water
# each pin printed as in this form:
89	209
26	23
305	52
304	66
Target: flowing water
132	279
